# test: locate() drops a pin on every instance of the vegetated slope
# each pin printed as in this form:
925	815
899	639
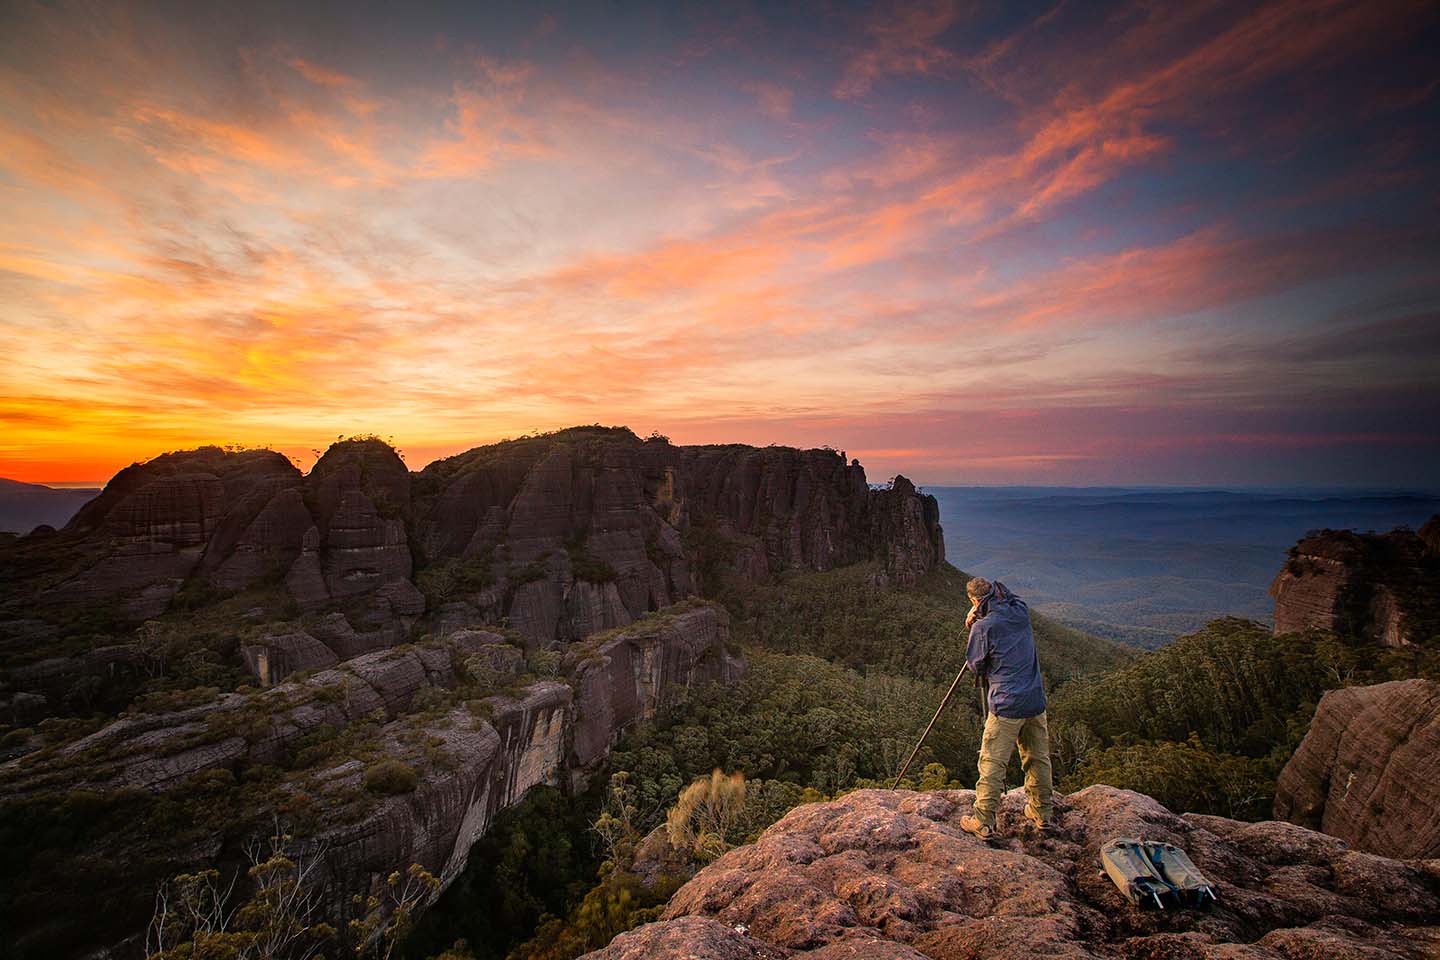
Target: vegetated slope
1207	723
843	676
25	506
846	616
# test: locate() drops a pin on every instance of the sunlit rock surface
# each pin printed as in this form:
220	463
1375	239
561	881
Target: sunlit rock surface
1368	770
891	876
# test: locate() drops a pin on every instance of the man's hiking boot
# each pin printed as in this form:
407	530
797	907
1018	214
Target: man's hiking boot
1035	818
973	826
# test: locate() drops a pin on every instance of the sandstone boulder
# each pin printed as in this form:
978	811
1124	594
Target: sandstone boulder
881	874
1368	770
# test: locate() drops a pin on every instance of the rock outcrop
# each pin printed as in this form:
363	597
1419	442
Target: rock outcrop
1368	771
1384	587
360	495
471	757
619	677
157	523
881	875
589	528
557	536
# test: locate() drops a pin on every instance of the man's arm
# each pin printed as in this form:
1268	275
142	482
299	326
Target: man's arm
977	653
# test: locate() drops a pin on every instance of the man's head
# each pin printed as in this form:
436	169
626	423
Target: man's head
978	589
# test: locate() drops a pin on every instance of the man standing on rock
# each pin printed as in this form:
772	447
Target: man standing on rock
1002	654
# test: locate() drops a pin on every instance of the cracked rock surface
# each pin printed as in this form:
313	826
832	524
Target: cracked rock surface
886	875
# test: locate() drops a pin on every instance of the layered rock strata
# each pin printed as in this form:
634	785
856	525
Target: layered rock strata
1368	770
881	875
470	759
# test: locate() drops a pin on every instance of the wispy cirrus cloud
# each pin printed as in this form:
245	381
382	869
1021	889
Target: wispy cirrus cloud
457	242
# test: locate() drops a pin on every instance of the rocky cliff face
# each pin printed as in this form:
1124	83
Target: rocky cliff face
389	594
1368	771
557	536
1384	587
589	528
227	515
880	875
415	705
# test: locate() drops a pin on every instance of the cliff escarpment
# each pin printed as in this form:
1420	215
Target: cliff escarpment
881	875
373	660
390	758
1381	587
556	536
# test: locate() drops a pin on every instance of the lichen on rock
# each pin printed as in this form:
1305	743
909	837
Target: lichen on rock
882	874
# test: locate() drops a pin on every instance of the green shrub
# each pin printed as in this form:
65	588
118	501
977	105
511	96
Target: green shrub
391	777
521	574
590	569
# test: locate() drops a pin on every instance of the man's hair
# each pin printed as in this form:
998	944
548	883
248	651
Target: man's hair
978	588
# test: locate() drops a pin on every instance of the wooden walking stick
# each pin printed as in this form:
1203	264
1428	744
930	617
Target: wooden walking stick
938	711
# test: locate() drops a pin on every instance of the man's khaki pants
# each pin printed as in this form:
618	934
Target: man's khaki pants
1002	735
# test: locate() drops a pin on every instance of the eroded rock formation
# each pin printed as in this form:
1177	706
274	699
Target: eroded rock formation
1385	587
557	536
1368	771
157	523
589	528
470	758
880	875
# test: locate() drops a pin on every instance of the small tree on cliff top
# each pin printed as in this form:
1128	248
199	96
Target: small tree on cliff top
705	813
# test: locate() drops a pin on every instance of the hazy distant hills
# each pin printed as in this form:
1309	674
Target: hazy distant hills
24	506
1145	565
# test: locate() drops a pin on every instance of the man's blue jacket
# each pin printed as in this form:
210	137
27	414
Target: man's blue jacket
1002	651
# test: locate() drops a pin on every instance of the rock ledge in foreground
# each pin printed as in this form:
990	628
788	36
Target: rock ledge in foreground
882	875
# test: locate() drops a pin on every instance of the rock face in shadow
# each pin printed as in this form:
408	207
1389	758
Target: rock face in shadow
1385	587
589	528
1368	771
359	493
471	757
891	876
557	536
233	518
617	678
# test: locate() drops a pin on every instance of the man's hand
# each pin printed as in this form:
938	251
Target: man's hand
971	616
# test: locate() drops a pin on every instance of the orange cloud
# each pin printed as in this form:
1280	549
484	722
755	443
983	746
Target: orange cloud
284	250
903	39
318	74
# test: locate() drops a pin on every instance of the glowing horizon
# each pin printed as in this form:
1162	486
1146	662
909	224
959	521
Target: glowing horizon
1049	244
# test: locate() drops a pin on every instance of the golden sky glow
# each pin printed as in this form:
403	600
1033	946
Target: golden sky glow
1045	245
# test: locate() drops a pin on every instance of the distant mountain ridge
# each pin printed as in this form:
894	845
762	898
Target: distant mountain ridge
25	506
1146	565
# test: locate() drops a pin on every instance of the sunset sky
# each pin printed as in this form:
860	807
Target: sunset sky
1055	243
